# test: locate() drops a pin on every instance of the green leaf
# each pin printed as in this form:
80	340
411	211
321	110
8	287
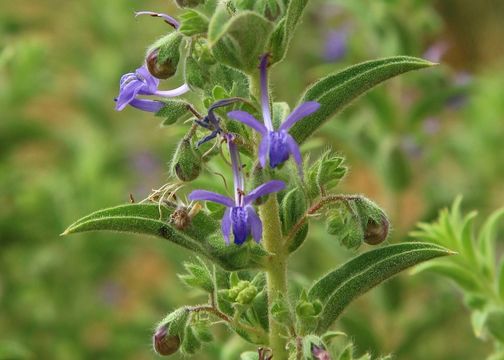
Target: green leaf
336	91
500	280
495	324
192	23
240	41
340	287
174	110
486	240
201	236
462	276
284	31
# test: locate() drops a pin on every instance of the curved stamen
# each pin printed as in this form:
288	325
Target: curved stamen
263	68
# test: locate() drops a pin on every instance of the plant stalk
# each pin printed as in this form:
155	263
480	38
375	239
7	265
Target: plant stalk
276	272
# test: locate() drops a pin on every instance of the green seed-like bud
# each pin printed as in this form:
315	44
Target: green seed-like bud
163	59
247	295
189	3
186	163
374	221
164	343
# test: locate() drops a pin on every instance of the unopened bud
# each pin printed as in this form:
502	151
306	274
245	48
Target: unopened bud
374	221
163	59
376	232
163	343
189	3
186	163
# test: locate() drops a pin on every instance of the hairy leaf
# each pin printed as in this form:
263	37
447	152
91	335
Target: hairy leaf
201	235
336	91
340	287
284	31
233	44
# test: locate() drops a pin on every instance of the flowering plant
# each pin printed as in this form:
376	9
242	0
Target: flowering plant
228	50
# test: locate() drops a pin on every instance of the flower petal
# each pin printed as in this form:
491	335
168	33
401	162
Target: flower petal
296	153
255	224
263	151
226	225
264	189
303	110
127	93
211	196
247	119
147	105
241	228
181	90
151	83
263	69
167	18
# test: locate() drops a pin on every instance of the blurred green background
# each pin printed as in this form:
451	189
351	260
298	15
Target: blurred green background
412	146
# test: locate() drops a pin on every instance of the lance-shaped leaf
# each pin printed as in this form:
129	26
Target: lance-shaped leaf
340	287
336	91
241	40
201	235
284	31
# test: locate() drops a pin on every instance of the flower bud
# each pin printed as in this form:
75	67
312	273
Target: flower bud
163	343
376	232
186	163
374	221
163	59
189	3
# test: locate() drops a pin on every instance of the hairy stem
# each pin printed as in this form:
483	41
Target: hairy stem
276	272
276	264
326	200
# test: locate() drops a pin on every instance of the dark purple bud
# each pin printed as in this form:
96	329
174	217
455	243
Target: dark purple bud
376	232
164	343
160	71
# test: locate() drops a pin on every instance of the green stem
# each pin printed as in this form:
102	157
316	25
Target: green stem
276	264
276	272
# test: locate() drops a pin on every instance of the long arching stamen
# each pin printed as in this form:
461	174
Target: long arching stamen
263	68
237	171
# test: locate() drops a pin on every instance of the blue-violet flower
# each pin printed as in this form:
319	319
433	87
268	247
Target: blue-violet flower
141	82
240	216
278	145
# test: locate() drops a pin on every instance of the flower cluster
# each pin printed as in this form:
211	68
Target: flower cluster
276	145
240	216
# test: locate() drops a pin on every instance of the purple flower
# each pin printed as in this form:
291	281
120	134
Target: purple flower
278	144
211	121
141	82
436	51
240	216
167	18
336	45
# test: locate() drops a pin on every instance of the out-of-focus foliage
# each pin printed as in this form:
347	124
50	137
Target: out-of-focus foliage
478	270
64	152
